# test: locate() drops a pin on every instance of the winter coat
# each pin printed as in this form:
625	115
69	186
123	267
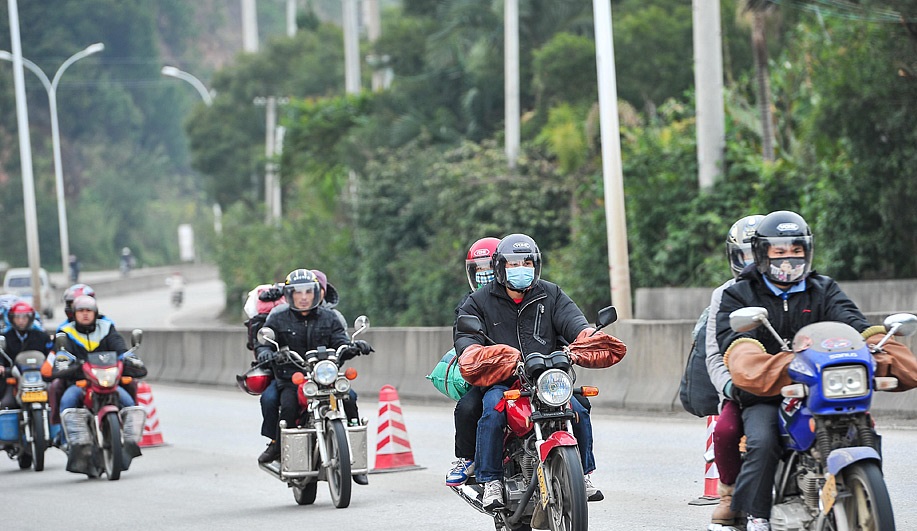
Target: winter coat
320	327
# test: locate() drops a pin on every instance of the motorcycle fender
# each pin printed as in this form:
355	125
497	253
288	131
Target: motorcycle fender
843	457
558	438
105	410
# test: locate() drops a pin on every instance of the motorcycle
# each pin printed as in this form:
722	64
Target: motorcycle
323	447
830	475
25	430
542	471
102	436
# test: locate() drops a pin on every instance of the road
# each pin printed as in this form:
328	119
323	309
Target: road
206	477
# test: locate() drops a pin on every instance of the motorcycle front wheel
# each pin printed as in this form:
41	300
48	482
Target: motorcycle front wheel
866	505
306	494
569	511
111	446
39	443
338	473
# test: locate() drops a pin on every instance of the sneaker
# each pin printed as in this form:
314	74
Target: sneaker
493	495
461	469
757	524
593	494
271	453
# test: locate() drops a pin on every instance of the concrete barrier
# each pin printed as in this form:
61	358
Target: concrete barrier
646	380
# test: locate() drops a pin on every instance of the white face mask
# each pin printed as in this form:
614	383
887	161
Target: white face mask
786	270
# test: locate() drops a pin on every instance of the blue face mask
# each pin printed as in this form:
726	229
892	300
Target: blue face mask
483	277
520	277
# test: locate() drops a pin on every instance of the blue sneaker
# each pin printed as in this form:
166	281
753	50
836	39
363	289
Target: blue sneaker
462	468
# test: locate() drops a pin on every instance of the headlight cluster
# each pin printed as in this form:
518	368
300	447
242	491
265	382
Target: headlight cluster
325	372
846	381
31	377
107	377
555	387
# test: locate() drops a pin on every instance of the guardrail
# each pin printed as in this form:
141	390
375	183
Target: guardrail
646	380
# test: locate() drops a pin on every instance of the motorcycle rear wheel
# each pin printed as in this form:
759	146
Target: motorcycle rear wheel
39	443
868	506
111	446
569	512
338	473
306	494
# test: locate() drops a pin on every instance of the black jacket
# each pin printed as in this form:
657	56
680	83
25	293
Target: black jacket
545	314
320	327
822	300
33	340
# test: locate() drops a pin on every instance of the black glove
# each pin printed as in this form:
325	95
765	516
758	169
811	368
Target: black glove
266	356
134	367
270	294
362	347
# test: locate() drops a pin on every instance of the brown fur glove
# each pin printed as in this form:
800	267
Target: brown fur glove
756	371
596	352
484	366
895	359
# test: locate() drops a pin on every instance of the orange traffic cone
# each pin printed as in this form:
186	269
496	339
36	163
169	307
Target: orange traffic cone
711	474
393	450
152	436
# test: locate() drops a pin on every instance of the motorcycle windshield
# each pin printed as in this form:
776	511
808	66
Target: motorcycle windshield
102	359
30	360
828	337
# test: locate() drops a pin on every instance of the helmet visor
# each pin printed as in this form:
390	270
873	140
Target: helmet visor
303	295
479	272
789	258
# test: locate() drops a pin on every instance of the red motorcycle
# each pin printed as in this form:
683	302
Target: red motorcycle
103	436
542	472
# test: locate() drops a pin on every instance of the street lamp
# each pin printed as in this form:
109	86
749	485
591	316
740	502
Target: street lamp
51	88
171	71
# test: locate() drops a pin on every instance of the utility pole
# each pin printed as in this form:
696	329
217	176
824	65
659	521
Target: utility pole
511	81
272	200
352	81
373	31
249	26
615	219
291	18
25	154
708	92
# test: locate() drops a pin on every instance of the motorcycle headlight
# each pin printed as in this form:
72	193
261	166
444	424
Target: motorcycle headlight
107	377
342	385
309	389
31	377
325	372
846	381
554	387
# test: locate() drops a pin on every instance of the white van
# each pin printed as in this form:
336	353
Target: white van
18	281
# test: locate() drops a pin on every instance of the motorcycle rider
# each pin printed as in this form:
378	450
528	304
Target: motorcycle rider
728	430
509	308
302	326
784	283
23	334
89	333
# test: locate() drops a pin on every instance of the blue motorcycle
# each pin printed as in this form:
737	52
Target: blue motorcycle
24	430
830	476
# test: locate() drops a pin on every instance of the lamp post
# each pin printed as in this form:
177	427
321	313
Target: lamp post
51	88
171	71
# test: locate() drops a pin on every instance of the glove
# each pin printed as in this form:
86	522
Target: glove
270	294
265	356
362	347
133	366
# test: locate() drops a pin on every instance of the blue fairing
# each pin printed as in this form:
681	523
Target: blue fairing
818	347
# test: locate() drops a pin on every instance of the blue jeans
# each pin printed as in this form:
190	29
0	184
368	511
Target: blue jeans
489	453
73	396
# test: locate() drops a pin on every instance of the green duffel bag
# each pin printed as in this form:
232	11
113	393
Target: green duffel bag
446	377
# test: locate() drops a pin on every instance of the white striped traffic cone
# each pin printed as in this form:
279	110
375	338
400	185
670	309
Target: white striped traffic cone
152	436
393	450
711	474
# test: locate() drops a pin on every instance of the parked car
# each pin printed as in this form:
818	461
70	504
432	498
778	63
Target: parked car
18	281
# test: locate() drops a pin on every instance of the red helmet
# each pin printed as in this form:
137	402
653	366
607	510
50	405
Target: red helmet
22	308
254	381
74	291
479	256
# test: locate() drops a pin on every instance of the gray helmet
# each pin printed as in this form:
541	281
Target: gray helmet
738	243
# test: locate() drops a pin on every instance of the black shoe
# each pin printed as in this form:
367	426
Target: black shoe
271	453
360	479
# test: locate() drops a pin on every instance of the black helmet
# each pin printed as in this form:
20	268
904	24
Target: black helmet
783	228
738	243
303	281
516	248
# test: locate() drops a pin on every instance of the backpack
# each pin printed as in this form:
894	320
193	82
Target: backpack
698	396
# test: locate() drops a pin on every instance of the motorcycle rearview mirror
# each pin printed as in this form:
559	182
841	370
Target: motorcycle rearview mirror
903	324
266	336
606	316
747	319
60	341
360	324
136	337
470	324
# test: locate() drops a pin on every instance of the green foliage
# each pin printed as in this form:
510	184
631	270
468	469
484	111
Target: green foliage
565	70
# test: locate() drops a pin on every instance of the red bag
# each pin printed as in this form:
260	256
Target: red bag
485	366
596	351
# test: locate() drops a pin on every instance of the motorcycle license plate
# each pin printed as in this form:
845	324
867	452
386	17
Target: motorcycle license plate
828	493
34	396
